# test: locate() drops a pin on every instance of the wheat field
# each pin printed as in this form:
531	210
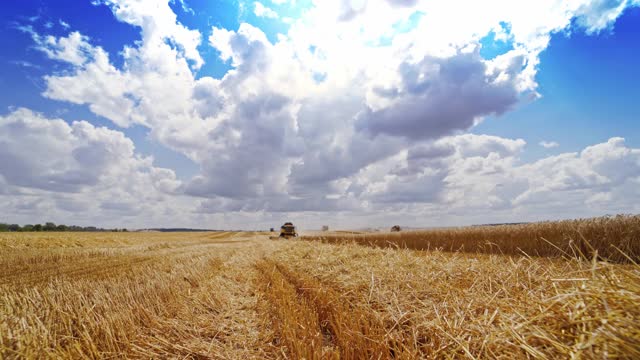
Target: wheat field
241	295
613	238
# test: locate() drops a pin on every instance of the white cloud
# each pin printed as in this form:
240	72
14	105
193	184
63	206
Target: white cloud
158	23
602	168
481	177
52	167
438	96
342	113
599	15
262	11
548	144
73	49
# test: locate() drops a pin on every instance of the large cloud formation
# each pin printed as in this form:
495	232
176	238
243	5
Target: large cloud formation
52	168
362	108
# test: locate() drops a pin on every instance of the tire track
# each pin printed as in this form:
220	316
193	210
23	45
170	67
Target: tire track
218	317
314	321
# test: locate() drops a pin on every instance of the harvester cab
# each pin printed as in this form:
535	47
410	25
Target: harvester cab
288	230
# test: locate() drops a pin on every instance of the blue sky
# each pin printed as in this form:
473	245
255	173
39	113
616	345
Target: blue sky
589	87
324	111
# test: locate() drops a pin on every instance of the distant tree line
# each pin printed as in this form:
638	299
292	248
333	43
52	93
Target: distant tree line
51	227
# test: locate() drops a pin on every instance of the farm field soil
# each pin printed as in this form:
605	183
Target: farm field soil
243	296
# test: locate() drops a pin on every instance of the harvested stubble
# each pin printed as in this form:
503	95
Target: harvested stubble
127	295
444	305
243	296
615	239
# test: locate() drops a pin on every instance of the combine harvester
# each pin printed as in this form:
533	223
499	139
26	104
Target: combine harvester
288	230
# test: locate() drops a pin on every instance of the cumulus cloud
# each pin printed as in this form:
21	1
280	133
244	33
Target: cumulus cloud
74	167
436	97
95	82
51	155
439	171
343	113
482	176
158	23
604	168
74	48
599	15
262	11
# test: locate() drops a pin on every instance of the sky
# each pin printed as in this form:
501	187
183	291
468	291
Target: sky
348	113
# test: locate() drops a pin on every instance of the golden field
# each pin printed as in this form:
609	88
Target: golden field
243	296
614	238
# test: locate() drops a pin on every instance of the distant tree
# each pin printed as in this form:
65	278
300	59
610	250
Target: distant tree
49	227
